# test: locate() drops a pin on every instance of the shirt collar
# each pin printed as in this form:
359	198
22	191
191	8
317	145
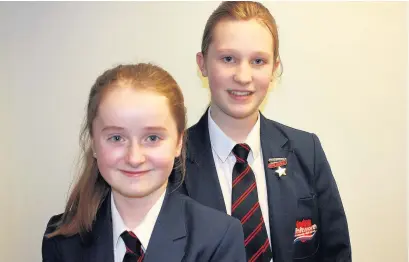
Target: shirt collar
253	139
223	145
144	230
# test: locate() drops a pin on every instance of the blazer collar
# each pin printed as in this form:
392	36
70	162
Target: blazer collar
168	238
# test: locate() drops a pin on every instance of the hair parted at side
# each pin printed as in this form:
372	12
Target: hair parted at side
91	189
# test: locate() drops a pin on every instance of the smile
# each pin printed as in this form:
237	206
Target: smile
239	93
134	173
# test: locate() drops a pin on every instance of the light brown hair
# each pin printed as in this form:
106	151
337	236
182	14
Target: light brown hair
241	10
91	189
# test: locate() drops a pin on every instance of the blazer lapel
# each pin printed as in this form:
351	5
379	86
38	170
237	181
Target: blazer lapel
168	238
282	200
98	244
202	181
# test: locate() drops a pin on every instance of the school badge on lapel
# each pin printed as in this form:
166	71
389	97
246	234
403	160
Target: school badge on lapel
279	164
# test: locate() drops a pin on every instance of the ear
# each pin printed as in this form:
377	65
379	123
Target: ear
201	63
94	153
179	145
276	65
275	68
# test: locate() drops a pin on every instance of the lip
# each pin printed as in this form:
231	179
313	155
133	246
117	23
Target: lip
240	98
134	173
239	90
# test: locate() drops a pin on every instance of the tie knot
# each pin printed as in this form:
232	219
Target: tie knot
132	243
241	152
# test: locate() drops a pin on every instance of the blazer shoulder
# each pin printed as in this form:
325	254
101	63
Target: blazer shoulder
291	132
51	250
300	139
59	247
52	223
195	130
193	127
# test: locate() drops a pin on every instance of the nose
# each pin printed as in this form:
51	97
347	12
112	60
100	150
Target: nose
243	74
135	155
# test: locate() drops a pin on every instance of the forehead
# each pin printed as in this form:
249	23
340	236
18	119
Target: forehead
250	35
130	107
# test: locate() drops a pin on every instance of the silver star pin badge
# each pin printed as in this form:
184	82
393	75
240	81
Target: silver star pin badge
281	171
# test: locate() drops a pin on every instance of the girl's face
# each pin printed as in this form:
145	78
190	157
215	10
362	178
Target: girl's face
239	65
136	141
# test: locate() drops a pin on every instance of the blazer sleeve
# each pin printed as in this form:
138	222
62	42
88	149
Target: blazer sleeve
49	248
335	243
231	247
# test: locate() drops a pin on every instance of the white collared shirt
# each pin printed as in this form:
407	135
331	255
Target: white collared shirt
143	231
224	160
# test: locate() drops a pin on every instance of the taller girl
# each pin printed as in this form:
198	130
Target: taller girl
273	178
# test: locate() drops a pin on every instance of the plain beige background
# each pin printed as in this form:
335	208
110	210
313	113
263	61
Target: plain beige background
345	78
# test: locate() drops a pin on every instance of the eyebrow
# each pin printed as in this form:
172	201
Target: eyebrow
260	53
112	128
263	54
226	50
148	128
155	128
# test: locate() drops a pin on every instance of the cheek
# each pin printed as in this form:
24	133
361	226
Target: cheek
218	75
162	161
109	156
263	79
162	157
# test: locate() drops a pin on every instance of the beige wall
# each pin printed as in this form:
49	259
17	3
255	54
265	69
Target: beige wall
7	215
345	78
407	137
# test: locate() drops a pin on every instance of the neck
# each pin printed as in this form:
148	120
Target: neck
235	128
134	209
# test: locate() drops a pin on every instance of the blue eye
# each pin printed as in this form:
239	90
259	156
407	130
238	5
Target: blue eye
153	138
228	59
115	138
258	61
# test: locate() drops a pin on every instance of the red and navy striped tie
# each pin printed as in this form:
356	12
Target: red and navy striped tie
134	251
246	207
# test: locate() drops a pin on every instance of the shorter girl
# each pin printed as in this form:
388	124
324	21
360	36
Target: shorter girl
124	207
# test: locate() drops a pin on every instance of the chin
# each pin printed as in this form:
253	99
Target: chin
134	192
141	190
241	113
